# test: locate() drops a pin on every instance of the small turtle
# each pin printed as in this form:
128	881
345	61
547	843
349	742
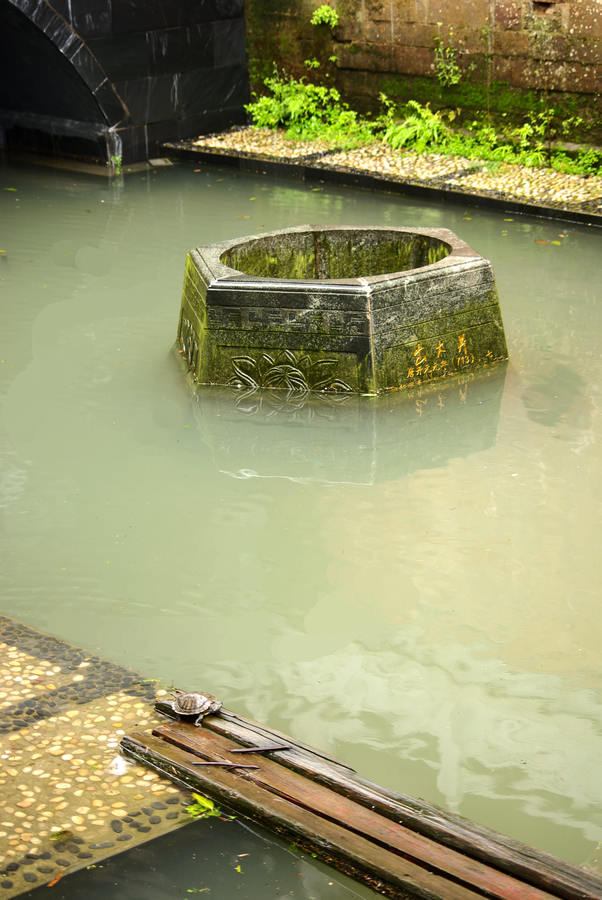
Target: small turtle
193	704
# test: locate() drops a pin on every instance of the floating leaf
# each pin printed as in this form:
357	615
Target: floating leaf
204	801
202	807
558	243
10	189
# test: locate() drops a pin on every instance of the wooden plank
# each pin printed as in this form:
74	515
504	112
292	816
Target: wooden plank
395	876
503	853
348	814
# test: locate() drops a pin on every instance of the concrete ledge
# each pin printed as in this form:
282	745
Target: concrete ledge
316	167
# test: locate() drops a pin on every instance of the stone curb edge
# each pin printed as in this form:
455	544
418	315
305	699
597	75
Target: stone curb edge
302	171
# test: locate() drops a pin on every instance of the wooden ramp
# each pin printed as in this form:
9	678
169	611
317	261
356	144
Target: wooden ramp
403	848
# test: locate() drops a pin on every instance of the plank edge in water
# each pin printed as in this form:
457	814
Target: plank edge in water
534	867
332	806
356	856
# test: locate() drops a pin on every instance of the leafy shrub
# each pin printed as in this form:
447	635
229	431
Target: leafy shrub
308	112
325	15
291	102
590	162
421	129
587	162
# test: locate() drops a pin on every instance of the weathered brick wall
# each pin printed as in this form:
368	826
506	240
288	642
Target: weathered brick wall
506	49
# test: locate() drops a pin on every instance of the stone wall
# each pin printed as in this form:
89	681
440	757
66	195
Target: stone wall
506	49
99	78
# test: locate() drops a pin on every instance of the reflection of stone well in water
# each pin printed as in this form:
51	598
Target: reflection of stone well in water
340	308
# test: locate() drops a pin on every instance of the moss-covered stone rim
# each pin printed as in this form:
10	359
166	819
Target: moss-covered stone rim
218	256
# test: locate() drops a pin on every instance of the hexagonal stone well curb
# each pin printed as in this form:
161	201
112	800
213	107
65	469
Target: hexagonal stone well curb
340	308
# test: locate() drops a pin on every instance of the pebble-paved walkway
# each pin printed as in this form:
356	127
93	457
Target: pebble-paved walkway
539	187
68	798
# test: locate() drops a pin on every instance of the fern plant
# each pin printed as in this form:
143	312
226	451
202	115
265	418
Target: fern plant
421	129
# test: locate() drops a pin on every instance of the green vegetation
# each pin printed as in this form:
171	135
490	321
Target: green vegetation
308	112
447	69
203	808
313	112
420	129
116	164
525	129
325	15
528	144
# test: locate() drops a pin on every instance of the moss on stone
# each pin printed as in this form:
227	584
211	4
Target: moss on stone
503	100
335	255
442	355
267	258
192	326
395	320
241	365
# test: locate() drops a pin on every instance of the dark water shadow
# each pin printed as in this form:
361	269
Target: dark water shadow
213	859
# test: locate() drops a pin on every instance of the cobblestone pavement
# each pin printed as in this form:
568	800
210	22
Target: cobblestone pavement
538	187
68	798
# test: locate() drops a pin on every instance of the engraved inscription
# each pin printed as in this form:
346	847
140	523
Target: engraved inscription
422	369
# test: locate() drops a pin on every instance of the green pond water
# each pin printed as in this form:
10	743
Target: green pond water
410	583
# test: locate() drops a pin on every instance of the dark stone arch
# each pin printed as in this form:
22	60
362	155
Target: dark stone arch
97	78
53	92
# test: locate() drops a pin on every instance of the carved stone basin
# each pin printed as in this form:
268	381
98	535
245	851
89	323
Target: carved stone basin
338	308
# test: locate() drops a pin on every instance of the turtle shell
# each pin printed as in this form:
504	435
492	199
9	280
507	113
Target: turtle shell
193	704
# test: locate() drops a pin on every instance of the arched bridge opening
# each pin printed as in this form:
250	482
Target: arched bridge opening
96	79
